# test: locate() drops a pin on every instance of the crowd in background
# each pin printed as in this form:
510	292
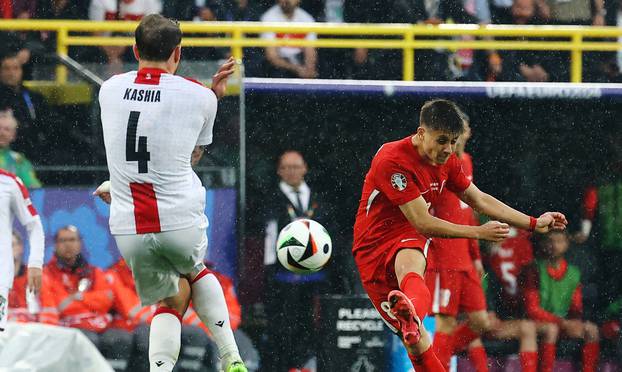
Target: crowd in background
462	64
102	302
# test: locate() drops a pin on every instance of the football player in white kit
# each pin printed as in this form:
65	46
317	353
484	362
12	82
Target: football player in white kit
15	202
152	121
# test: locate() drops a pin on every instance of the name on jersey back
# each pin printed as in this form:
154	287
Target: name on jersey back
142	95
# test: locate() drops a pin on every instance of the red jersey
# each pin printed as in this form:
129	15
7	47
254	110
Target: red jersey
507	260
455	254
398	175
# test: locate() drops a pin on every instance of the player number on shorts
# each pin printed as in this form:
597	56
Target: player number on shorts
142	156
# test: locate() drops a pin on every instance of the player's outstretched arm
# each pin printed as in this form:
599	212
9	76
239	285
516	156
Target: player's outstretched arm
219	80
490	206
416	211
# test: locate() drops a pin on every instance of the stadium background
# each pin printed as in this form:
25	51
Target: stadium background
534	151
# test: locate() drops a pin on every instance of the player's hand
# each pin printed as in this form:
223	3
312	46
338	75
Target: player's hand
219	80
479	268
494	231
551	221
34	279
103	191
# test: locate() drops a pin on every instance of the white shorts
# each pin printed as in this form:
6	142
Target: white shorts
4	307
158	259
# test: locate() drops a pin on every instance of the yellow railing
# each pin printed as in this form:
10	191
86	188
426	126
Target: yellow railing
238	35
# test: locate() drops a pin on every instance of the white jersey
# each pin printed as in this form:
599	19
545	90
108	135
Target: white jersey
152	120
15	202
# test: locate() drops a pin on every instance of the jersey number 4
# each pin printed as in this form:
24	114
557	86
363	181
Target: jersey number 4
142	156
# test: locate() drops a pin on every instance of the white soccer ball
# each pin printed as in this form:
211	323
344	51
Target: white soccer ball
304	246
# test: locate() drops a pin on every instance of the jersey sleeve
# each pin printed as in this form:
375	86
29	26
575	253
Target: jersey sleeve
457	181
209	116
395	182
21	205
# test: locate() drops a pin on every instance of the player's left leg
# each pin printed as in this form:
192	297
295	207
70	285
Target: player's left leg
410	305
478	356
165	330
473	303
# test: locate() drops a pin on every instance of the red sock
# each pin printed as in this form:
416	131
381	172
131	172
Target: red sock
426	362
547	357
414	287
463	335
478	358
591	352
529	361
443	347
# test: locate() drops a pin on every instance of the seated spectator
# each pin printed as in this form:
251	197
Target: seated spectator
13	161
18	307
127	10
506	311
29	108
290	62
553	295
79	295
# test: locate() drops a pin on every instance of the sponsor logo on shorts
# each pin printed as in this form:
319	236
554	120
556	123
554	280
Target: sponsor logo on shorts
220	323
398	181
159	363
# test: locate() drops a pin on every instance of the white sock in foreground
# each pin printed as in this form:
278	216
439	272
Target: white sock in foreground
164	342
209	303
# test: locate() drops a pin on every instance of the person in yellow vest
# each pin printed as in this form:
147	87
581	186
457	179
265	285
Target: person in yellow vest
553	295
13	161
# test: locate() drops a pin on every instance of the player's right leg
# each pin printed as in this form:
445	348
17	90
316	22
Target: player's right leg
410	305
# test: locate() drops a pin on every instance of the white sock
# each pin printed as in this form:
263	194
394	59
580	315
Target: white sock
164	342
209	303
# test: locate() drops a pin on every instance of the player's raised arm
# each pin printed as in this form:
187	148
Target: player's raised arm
491	206
416	211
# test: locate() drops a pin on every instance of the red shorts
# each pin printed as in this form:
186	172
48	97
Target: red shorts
378	275
454	291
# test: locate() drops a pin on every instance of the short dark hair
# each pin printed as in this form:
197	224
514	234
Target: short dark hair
443	115
157	37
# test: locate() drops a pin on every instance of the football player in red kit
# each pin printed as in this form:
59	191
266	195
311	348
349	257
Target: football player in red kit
454	276
393	223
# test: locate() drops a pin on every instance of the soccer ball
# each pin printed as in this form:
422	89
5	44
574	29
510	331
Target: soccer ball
304	246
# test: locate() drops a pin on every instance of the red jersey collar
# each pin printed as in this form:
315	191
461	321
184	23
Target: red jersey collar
557	273
152	70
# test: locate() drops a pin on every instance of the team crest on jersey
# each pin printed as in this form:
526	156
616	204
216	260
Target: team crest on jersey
398	181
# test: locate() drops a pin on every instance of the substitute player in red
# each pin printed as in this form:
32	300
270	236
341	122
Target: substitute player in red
393	223
152	122
454	276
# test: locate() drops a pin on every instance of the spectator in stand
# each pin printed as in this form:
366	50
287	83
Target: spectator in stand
18	307
79	295
507	313
126	10
573	12
290	297
289	62
515	65
601	225
553	295
13	161
37	123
